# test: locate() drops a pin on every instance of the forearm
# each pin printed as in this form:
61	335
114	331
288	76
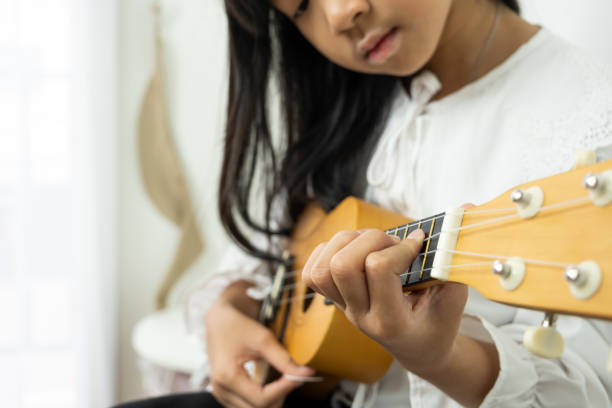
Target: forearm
467	374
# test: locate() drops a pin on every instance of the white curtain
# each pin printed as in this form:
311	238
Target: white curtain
57	202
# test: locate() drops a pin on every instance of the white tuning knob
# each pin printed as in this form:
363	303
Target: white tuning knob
544	341
528	202
584	158
610	362
599	187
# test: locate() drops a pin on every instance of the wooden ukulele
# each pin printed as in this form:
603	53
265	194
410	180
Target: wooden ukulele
544	245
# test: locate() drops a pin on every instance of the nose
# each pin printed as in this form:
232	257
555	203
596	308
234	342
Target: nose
342	14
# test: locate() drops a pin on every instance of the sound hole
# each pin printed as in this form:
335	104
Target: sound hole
308	296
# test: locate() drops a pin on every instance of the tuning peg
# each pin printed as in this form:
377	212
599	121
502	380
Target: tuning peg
584	158
599	187
544	341
528	202
511	273
584	279
610	362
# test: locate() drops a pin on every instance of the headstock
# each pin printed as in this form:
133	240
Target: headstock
562	236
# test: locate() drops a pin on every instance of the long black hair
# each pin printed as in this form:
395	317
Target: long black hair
329	114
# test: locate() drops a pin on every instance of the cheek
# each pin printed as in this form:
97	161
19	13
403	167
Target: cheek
421	22
421	34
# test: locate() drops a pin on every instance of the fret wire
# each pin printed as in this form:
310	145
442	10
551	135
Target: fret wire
310	295
474	254
547	207
442	215
491	256
433	221
418	223
554	264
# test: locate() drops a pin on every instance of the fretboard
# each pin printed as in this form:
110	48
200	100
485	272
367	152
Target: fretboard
420	269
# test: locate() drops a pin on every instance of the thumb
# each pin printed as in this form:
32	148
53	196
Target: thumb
274	353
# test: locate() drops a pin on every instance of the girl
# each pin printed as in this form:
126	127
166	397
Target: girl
416	105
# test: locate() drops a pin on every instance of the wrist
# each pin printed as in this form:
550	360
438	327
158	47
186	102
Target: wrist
235	296
466	373
432	366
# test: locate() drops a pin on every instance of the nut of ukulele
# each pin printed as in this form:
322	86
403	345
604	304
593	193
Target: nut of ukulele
544	341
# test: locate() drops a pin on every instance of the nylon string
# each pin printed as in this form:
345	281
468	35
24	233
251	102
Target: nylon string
474	254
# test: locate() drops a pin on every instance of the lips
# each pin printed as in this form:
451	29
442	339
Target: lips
378	46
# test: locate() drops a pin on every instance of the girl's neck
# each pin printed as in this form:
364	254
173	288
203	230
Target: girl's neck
463	54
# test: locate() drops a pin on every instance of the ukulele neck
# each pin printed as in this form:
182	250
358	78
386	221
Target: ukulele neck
419	272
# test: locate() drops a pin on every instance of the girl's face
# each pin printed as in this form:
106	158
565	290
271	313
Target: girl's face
394	37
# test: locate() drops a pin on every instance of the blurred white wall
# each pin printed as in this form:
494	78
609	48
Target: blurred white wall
195	42
58	193
584	23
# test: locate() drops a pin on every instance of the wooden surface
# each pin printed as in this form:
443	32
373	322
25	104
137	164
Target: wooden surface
321	337
570	234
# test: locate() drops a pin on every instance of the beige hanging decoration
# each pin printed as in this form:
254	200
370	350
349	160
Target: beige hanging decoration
162	172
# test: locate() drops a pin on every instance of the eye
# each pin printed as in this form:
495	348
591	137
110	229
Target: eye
301	8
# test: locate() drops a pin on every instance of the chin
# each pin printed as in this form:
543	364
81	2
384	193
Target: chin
402	70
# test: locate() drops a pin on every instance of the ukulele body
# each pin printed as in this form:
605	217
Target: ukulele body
570	229
318	334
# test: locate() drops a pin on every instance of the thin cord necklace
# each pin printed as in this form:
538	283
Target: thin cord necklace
487	43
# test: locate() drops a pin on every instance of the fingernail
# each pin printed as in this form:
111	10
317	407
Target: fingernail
417	235
396	238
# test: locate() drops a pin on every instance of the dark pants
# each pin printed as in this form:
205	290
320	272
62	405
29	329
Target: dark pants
190	400
206	400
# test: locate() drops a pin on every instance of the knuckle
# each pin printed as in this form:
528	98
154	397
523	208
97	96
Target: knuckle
307	278
340	266
376	234
345	236
319	274
356	320
320	246
376	262
318	281
317	250
266	338
221	377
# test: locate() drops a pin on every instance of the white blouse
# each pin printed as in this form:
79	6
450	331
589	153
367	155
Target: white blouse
521	121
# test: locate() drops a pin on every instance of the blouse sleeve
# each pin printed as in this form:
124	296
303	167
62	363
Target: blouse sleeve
235	265
577	379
